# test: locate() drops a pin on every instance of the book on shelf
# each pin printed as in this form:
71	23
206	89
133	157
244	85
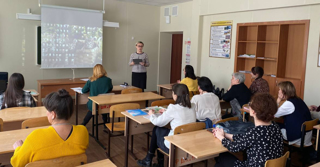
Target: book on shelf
247	55
242	71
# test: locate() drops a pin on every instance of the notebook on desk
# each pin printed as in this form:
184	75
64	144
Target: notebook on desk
78	90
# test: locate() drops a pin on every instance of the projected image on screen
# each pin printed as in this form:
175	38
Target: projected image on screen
70	37
71	45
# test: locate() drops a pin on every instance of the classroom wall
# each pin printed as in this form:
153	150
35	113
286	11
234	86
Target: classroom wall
242	11
18	39
164	58
180	23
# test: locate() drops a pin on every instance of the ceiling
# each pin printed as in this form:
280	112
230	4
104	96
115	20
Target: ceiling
156	2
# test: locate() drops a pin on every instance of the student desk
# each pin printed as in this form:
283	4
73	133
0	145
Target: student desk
21	114
140	98
8	138
50	85
137	125
134	125
83	98
193	147
165	90
12	117
105	162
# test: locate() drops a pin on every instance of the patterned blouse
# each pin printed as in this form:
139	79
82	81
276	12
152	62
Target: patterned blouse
261	144
259	85
26	100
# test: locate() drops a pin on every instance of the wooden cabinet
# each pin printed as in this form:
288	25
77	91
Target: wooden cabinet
280	48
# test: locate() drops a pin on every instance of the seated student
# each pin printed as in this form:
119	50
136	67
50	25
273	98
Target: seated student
176	114
15	96
263	142
295	113
60	139
207	104
238	94
259	85
190	78
99	83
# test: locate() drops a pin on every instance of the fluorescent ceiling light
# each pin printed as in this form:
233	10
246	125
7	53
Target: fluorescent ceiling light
24	16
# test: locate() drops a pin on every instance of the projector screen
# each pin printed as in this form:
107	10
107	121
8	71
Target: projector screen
70	37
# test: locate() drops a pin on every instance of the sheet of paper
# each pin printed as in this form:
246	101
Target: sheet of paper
78	89
85	79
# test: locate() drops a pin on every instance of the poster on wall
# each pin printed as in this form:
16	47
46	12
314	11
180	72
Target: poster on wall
188	48
220	39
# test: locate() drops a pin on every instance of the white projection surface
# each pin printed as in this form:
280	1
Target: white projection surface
70	38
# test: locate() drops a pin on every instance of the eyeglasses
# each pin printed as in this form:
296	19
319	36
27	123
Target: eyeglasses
140	46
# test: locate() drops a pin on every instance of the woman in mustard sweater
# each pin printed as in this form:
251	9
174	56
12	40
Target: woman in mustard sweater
59	140
190	78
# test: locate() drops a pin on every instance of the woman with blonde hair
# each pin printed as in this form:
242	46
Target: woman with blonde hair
98	83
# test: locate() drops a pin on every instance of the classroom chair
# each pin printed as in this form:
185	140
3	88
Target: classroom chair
1	125
35	122
131	90
283	161
185	129
163	102
115	112
228	119
307	126
67	161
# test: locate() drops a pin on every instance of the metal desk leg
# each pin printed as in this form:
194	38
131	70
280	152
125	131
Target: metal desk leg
77	105
172	155
127	141
317	146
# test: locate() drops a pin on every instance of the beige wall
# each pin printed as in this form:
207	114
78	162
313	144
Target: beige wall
18	39
180	23
164	58
241	11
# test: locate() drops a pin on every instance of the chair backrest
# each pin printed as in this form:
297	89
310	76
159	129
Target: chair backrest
306	127
106	94
1	125
115	110
228	119
279	162
67	161
131	90
194	126
309	125
35	122
163	102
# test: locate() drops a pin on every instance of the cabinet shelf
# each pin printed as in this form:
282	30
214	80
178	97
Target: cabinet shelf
266	58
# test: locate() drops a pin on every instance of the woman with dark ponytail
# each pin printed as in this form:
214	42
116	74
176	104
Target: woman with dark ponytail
15	96
176	114
59	140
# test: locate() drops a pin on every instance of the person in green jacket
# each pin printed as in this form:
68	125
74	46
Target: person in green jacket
98	83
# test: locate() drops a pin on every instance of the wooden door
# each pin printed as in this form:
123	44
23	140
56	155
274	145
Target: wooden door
176	57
